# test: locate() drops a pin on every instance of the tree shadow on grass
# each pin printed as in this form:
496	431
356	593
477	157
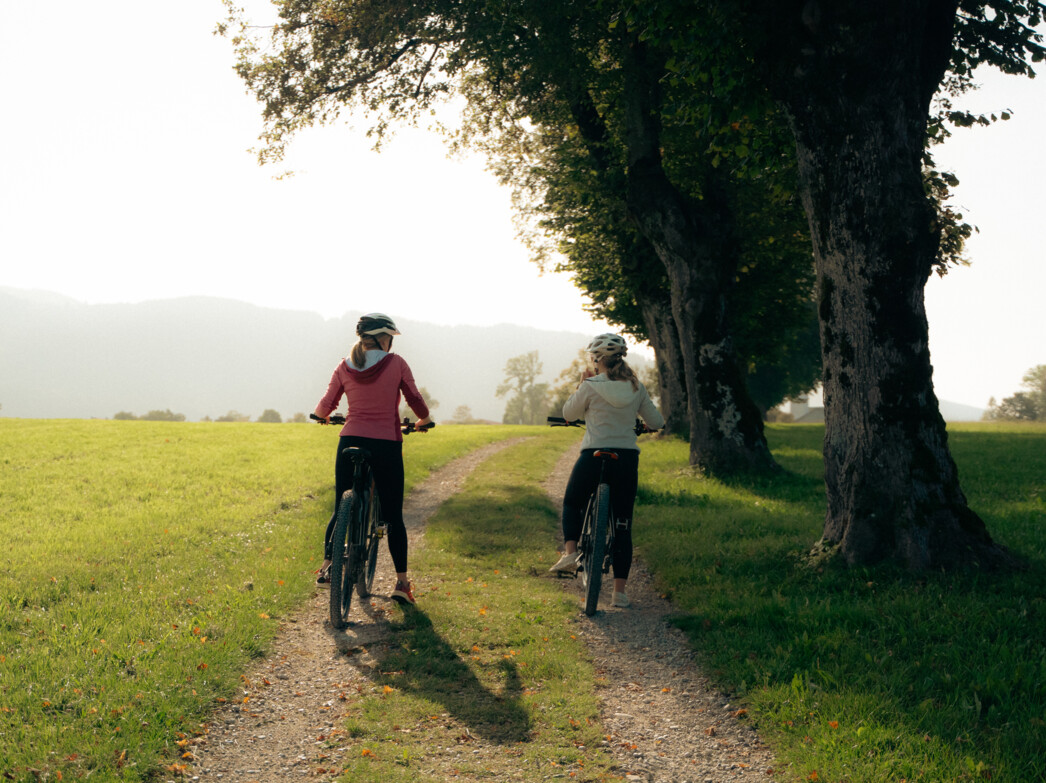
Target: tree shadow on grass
421	662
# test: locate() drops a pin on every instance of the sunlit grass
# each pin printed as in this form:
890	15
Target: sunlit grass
863	674
145	564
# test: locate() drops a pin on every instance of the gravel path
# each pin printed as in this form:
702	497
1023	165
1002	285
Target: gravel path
663	721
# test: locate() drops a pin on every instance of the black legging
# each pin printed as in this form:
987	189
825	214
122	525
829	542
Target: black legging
386	459
622	474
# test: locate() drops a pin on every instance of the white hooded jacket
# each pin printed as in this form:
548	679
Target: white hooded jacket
609	409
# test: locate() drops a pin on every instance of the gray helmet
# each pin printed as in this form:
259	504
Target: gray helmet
373	324
606	345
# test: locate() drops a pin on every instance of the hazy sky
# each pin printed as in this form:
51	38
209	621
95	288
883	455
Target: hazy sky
125	176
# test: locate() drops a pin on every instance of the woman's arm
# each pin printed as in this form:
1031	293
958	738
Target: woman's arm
412	396
649	413
330	400
575	407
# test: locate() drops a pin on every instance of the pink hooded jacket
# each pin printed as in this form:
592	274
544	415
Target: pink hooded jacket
373	396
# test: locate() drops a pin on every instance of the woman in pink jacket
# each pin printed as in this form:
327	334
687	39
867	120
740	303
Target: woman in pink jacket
372	380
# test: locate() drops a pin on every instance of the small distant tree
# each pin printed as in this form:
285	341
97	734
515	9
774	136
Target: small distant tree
462	415
234	416
298	418
124	416
1026	405
269	416
529	401
1034	382
165	415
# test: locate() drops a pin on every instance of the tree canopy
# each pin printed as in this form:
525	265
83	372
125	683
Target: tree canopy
661	131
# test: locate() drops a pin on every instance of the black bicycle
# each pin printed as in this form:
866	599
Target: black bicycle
358	530
596	545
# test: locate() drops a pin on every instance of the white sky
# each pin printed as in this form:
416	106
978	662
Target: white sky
125	176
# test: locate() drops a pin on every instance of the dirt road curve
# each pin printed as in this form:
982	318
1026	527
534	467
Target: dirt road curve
664	723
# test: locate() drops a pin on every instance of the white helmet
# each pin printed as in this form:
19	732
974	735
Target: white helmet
606	345
375	323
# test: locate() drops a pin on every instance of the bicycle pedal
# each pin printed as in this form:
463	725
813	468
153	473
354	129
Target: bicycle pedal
381	531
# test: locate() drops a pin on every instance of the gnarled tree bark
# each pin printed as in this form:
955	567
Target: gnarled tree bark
857	80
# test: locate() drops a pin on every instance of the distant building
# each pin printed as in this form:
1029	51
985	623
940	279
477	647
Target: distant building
806	410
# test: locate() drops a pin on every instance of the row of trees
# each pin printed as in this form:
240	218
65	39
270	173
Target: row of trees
269	416
700	166
1026	405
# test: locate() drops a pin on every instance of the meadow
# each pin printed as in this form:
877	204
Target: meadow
148	563
863	674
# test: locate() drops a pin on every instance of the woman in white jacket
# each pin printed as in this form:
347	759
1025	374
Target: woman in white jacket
609	400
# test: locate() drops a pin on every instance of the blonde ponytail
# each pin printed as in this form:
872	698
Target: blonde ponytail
618	370
358	354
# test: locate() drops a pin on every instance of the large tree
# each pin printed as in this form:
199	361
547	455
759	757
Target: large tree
857	80
395	57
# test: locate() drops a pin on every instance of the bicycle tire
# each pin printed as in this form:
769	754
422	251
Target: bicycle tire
592	575
341	569
365	581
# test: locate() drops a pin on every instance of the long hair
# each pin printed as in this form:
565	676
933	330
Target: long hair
618	370
358	354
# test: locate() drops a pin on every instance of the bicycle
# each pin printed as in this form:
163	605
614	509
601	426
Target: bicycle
358	530
596	545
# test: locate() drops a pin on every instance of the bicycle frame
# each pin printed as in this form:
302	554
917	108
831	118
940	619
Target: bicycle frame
598	532
357	530
354	543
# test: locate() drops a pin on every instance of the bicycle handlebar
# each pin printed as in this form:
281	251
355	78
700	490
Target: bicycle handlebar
334	418
406	426
559	421
640	427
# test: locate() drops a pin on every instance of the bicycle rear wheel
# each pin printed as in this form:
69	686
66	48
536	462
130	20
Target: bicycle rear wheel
594	539
341	570
369	566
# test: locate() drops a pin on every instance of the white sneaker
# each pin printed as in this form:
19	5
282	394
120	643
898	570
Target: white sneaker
621	601
567	563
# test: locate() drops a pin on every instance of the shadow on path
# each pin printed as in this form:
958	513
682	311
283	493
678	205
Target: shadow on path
418	660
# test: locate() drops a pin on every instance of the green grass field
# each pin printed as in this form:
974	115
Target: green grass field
148	563
864	674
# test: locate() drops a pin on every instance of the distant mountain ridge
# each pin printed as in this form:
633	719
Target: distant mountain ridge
204	356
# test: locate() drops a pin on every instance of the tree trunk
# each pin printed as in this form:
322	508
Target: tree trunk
664	339
857	86
695	245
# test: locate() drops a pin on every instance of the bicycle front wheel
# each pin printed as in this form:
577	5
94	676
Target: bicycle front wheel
369	566
341	570
594	541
